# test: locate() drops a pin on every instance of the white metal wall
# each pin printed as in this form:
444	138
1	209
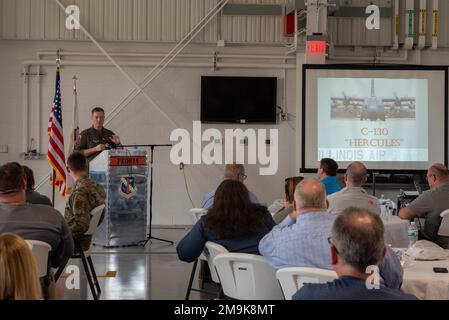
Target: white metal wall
136	20
352	31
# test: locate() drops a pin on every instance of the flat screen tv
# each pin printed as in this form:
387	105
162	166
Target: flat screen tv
238	99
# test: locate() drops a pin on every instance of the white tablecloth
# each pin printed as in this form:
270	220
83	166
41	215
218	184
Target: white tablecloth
424	283
396	232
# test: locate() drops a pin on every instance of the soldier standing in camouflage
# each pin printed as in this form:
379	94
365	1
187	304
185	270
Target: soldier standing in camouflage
85	196
94	140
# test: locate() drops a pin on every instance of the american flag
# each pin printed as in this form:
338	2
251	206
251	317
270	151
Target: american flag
55	154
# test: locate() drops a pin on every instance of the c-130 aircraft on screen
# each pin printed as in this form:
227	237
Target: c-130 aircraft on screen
373	108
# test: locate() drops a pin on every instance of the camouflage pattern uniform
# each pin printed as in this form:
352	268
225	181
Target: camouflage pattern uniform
85	196
91	138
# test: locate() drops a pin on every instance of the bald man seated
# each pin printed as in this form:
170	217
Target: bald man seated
353	195
430	204
301	239
233	171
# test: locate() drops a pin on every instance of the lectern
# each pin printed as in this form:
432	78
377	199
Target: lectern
124	175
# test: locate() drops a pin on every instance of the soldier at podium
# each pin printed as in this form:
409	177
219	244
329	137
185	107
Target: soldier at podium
94	140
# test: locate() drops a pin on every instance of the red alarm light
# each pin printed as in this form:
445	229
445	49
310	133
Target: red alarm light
316	47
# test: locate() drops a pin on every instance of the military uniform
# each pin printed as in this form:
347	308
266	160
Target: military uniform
86	196
91	138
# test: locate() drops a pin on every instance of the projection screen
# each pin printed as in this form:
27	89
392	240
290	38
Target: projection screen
393	118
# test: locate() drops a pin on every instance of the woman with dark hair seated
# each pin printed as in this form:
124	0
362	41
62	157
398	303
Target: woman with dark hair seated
233	221
34	197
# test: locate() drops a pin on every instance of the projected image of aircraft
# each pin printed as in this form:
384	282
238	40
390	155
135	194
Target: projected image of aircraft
372	108
347	103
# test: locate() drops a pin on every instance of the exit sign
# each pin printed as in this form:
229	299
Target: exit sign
316	47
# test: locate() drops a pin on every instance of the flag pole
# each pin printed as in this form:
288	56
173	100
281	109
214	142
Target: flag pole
74	84
53	188
53	184
74	132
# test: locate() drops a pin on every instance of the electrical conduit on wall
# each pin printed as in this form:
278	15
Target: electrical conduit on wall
396	26
409	24
422	24
435	20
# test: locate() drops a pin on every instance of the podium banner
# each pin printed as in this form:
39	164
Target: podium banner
124	176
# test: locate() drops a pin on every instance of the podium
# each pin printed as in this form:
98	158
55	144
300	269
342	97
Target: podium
124	175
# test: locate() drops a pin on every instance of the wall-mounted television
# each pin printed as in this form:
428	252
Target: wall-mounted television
238	99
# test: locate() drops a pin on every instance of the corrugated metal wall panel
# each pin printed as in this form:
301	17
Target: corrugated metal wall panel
111	17
51	20
125	16
352	31
182	18
268	27
96	19
140	27
71	34
154	20
168	20
85	14
1	16
37	19
211	30
343	36
23	17
8	16
137	20
196	14
444	23
253	29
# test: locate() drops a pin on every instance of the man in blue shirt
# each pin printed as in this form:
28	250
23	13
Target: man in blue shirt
357	246
327	172
234	172
301	239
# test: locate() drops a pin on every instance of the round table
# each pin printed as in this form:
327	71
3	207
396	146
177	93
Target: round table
421	281
396	232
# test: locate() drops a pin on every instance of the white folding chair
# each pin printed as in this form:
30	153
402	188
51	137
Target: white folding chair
85	256
443	231
41	253
196	214
292	279
247	277
211	250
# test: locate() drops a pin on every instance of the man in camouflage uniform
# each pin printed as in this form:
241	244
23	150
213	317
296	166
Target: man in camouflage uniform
85	196
94	140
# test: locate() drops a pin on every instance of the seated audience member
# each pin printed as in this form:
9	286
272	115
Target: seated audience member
232	172
290	185
233	221
301	239
32	221
18	277
430	204
86	196
327	172
353	195
357	242
32	196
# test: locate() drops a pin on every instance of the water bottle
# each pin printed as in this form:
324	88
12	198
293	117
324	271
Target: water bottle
412	234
